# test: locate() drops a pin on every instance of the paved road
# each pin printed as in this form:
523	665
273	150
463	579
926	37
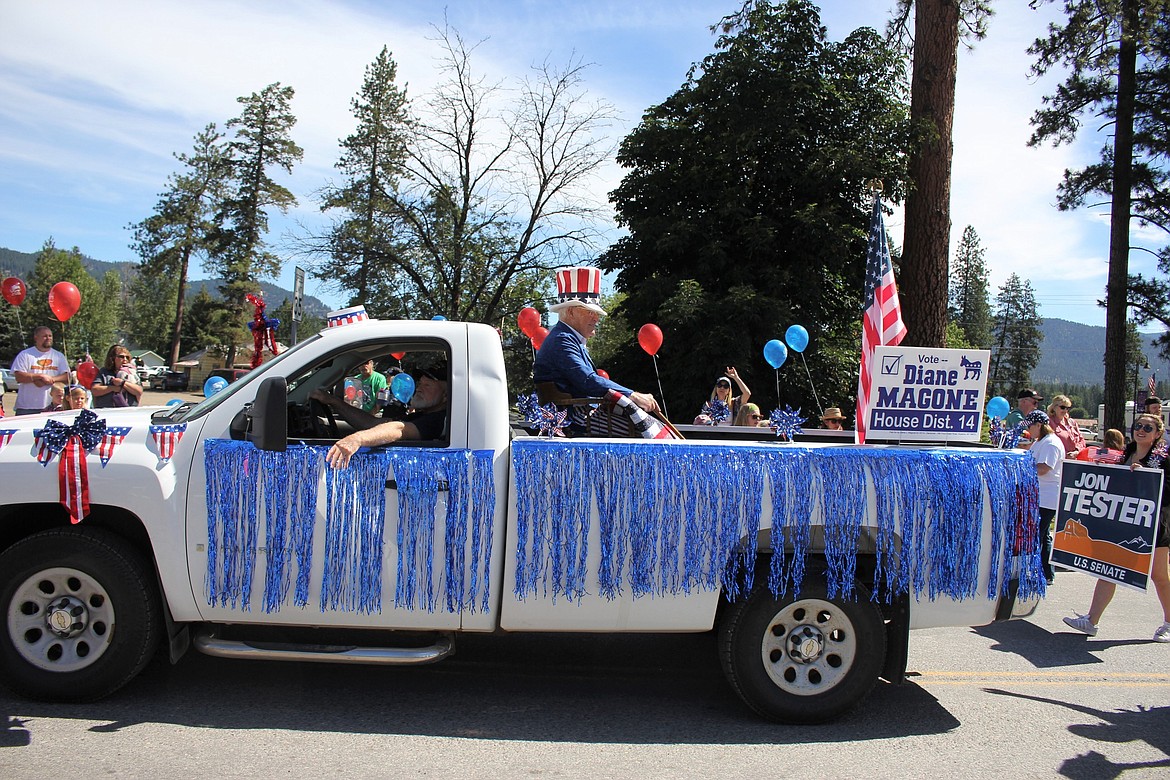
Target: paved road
1026	699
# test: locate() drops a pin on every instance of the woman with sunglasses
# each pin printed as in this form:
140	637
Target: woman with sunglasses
749	415
722	392
1065	427
1145	451
117	381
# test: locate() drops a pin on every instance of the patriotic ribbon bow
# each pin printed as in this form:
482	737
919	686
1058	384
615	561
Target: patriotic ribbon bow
72	442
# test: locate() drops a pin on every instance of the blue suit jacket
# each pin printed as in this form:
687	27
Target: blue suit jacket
563	359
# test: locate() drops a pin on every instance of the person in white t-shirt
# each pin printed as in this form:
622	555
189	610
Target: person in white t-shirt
1048	452
36	369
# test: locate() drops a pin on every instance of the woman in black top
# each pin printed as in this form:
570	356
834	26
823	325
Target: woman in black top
117	381
1147	450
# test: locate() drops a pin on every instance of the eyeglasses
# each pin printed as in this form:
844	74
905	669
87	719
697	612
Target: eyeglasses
722	384
125	357
755	417
1065	408
1144	427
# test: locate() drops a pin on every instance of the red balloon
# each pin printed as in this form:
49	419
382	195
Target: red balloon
650	337
86	373
529	320
13	290
538	336
398	355
603	373
64	300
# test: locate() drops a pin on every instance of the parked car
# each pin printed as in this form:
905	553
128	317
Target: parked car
7	380
175	380
152	376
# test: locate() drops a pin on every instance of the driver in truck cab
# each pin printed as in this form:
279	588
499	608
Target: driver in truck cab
425	419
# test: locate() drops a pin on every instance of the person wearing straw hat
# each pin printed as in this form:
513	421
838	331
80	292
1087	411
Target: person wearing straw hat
833	419
563	358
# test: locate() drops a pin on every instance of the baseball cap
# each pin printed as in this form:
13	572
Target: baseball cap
1028	392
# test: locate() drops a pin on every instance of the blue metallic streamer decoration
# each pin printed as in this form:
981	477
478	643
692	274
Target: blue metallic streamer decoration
701	506
239	477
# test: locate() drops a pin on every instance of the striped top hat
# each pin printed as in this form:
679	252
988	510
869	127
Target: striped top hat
578	287
336	319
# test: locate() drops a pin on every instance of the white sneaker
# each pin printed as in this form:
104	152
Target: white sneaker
1084	625
1162	634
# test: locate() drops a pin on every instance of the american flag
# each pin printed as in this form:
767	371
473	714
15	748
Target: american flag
881	322
167	437
110	440
6	437
1152	383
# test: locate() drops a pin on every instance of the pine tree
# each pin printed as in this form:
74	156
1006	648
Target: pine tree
1016	337
241	256
180	228
372	162
1100	47
969	307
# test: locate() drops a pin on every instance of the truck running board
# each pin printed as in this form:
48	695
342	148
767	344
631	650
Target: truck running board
208	642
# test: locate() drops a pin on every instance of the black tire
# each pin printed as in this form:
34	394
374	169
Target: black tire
81	615
806	659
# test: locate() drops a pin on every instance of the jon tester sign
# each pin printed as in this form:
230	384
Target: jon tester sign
923	394
1106	521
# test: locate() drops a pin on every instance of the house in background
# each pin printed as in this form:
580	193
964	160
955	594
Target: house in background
148	358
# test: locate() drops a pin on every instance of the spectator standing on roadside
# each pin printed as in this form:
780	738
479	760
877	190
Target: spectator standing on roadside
116	385
1064	426
56	397
36	369
1027	401
77	398
1048	454
1154	407
372	384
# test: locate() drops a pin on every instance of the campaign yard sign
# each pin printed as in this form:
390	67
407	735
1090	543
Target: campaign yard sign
925	394
1107	520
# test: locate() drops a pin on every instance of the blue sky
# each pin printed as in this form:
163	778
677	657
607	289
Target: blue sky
96	97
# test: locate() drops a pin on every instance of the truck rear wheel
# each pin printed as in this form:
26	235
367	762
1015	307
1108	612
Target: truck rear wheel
803	659
81	615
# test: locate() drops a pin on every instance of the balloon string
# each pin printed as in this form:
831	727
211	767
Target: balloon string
661	395
777	387
810	384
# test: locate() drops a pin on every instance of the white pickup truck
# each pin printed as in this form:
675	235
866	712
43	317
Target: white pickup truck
219	524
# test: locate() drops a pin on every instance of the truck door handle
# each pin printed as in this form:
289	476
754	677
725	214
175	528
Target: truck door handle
443	486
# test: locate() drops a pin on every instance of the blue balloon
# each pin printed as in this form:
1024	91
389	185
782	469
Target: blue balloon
402	387
998	408
213	385
775	353
797	337
174	402
438	317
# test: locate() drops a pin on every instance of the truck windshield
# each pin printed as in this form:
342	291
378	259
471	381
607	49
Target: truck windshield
189	411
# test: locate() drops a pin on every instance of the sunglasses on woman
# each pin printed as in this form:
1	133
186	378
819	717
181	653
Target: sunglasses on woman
1144	427
722	384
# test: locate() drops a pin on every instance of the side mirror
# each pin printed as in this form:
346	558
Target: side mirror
269	415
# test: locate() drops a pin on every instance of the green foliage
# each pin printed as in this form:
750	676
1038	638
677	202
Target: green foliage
746	200
308	325
957	338
93	327
1115	55
969	307
1016	338
241	256
463	206
181	227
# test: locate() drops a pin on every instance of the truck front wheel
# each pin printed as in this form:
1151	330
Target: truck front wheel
803	659
81	615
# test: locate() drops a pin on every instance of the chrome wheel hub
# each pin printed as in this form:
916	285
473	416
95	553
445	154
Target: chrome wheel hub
60	620
809	647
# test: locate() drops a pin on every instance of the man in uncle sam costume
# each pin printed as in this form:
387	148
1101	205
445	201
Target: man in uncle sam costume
563	359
